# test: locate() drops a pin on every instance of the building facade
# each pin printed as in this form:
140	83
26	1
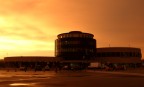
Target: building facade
75	45
30	61
119	55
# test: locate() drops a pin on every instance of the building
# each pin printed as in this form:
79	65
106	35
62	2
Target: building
119	55
75	45
28	61
31	59
79	48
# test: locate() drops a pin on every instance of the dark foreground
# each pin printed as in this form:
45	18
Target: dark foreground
70	79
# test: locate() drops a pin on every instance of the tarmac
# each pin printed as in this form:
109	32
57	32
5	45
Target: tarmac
83	78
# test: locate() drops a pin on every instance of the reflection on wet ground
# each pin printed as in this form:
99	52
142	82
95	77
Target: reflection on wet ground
69	79
23	79
22	84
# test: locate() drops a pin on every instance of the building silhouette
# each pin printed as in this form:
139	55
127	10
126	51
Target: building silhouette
75	45
79	48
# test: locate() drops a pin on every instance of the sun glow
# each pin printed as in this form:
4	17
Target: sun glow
7	43
2	21
23	35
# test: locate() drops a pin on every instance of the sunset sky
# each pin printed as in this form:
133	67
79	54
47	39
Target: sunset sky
29	27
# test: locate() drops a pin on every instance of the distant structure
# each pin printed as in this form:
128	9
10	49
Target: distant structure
124	55
75	45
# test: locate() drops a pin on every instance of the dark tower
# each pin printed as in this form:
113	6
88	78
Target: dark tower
75	45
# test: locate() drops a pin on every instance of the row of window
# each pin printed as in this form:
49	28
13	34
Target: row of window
77	50
70	42
75	35
75	43
119	54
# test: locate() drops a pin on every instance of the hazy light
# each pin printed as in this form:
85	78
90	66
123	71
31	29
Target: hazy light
8	43
2	21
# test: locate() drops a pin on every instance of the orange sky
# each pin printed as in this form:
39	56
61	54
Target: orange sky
29	27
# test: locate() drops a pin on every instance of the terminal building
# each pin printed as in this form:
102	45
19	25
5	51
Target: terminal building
77	46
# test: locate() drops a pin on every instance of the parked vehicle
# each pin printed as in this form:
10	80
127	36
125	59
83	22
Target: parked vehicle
94	66
66	67
46	68
38	68
22	68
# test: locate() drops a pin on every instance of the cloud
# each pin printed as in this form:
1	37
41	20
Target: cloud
119	22
18	5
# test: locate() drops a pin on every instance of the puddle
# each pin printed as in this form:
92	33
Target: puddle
22	84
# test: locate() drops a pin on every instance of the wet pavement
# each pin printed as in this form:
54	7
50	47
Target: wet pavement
70	79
